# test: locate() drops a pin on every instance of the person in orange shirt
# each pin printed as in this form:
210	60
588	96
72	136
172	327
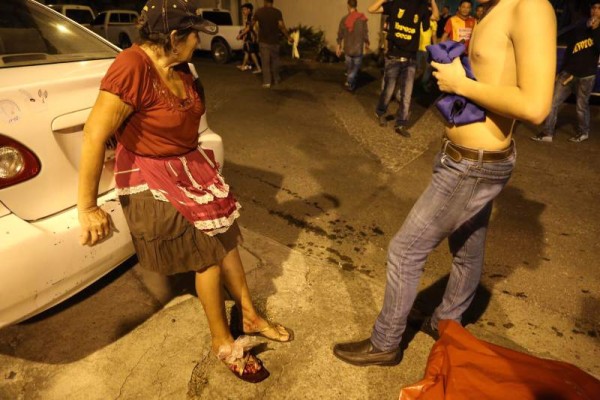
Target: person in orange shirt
460	26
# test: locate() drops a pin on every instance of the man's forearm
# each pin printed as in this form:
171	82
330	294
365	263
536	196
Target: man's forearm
284	30
507	101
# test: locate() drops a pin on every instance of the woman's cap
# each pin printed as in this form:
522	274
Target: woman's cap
164	16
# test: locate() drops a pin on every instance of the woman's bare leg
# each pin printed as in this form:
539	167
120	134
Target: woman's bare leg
210	292
244	62
234	278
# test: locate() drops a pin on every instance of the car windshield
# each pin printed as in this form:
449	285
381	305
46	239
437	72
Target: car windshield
30	34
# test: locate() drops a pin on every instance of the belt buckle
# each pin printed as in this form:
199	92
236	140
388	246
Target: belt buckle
452	152
402	59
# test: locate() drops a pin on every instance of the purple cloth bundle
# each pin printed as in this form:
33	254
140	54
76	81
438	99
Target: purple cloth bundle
457	110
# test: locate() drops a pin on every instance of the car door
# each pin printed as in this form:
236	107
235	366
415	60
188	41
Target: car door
49	79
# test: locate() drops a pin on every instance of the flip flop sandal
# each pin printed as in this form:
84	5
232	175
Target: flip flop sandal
274	327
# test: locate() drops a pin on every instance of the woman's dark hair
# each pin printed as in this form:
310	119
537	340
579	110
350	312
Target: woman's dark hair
250	7
162	40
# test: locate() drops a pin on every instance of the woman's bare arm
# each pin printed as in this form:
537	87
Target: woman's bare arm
107	115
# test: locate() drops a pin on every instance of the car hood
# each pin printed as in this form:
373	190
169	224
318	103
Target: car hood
49	105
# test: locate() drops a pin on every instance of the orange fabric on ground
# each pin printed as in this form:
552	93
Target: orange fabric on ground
462	367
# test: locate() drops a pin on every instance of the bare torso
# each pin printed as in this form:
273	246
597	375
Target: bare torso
492	59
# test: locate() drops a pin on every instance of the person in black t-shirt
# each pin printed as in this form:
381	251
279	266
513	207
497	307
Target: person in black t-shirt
444	16
404	20
270	26
577	75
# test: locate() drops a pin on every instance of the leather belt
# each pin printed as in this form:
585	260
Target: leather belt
458	153
400	59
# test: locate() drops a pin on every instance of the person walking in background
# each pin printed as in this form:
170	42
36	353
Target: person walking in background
460	27
270	26
444	16
353	33
427	38
404	22
578	75
248	35
473	165
180	212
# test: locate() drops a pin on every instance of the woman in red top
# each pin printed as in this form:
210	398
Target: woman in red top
179	209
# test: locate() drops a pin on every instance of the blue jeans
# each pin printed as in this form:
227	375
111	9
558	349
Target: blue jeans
582	87
456	205
352	67
402	74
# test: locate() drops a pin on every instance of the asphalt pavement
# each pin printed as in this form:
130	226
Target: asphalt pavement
323	189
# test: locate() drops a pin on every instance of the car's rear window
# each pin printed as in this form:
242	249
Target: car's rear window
218	17
30	34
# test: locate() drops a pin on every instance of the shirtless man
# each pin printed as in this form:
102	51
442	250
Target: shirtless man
513	57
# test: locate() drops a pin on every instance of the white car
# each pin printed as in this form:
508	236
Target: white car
50	72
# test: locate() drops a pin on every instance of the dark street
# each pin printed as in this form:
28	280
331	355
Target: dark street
323	190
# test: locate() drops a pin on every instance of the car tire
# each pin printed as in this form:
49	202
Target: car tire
124	42
220	51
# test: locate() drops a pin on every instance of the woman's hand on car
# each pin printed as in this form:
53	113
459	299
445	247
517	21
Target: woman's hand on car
95	225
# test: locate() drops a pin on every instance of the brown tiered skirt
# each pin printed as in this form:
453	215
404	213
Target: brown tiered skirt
167	243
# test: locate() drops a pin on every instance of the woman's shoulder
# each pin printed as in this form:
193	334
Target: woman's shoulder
131	65
133	56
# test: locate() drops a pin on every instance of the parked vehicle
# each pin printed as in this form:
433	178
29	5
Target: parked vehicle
81	14
225	42
50	72
117	26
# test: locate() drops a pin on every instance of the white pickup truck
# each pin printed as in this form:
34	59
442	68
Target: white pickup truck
225	42
83	15
117	26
